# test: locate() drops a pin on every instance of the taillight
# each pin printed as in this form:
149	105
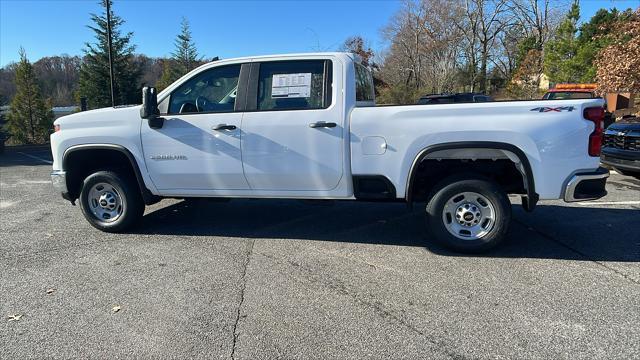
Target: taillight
595	114
56	128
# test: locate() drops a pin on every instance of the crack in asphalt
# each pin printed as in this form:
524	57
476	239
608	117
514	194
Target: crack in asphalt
584	255
249	252
338	286
246	267
242	289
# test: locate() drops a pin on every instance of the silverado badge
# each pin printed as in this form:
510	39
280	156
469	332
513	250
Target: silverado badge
168	157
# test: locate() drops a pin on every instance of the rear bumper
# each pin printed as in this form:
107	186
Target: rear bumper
586	186
59	181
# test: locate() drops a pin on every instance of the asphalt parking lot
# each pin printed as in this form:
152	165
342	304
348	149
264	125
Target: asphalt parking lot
251	279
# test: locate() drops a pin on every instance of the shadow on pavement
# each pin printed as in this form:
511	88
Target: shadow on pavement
551	232
26	156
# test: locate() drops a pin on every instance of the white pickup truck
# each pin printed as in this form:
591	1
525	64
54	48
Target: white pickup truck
305	126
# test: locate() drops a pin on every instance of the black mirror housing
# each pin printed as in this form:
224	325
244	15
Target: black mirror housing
156	122
149	108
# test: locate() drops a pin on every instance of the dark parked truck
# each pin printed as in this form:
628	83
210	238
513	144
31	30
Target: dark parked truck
453	98
621	147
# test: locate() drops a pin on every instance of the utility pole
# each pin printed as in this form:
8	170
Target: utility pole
113	101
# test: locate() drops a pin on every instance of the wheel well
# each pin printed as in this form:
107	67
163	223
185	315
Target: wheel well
430	171
81	163
508	167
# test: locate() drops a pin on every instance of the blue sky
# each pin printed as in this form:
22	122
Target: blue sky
220	28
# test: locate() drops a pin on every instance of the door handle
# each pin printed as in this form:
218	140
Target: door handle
320	124
220	127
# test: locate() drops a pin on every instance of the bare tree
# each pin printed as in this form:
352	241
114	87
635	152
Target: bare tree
468	25
505	54
58	77
538	18
483	21
447	45
424	47
7	83
356	45
405	31
442	44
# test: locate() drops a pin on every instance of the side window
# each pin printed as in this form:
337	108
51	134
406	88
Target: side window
212	90
294	85
364	84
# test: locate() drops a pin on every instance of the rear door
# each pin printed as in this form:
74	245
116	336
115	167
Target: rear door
293	131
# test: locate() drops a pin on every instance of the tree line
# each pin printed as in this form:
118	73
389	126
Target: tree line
504	47
33	89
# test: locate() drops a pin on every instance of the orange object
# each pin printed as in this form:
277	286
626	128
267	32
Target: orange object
575	86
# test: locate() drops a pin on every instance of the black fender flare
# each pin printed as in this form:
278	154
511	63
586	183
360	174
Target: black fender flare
148	197
529	202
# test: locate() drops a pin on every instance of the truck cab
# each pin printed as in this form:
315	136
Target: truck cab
281	112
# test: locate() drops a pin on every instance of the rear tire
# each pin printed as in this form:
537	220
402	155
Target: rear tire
111	201
468	214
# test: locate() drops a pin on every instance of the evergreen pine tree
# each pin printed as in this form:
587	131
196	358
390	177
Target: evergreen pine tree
561	64
31	117
168	76
94	80
184	58
186	54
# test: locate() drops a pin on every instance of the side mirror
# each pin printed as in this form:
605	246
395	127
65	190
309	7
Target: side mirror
149	103
156	122
149	109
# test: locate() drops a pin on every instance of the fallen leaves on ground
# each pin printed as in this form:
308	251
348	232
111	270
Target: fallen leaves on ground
15	317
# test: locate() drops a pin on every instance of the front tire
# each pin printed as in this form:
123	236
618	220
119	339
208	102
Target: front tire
111	202
468	215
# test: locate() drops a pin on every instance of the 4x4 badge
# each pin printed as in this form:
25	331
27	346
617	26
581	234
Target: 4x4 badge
553	109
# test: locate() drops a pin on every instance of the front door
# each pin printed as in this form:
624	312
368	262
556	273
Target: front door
293	138
198	147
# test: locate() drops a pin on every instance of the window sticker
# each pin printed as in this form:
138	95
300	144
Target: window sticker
291	85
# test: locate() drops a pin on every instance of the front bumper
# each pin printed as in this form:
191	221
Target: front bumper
623	159
59	181
586	186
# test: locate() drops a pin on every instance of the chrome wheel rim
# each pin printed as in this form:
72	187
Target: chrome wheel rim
105	202
468	215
